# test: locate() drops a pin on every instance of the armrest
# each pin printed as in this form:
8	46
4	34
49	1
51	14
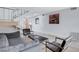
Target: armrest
31	31
59	38
54	44
62	38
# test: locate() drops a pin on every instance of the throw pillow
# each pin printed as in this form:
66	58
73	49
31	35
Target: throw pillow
3	41
13	35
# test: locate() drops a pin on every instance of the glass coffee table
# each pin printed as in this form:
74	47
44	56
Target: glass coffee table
37	38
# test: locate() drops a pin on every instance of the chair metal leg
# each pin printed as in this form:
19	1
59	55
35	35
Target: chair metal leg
45	47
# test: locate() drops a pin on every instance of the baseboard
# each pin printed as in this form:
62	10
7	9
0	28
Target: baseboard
44	33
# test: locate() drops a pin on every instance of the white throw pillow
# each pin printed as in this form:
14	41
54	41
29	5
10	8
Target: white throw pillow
3	41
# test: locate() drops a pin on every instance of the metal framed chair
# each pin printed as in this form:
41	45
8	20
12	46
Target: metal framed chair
26	32
56	46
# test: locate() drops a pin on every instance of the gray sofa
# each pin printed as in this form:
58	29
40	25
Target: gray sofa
12	42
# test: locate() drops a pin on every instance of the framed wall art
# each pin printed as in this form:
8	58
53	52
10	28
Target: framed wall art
36	20
54	19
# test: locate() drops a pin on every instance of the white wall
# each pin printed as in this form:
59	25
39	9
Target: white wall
69	22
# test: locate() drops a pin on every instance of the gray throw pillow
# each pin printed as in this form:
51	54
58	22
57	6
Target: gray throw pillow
12	35
3	41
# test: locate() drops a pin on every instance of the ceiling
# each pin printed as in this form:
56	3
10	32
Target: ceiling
38	9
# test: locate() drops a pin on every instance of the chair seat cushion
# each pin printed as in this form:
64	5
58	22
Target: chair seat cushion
53	47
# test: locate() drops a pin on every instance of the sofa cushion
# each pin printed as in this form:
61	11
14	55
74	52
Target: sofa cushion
3	41
15	41
13	35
